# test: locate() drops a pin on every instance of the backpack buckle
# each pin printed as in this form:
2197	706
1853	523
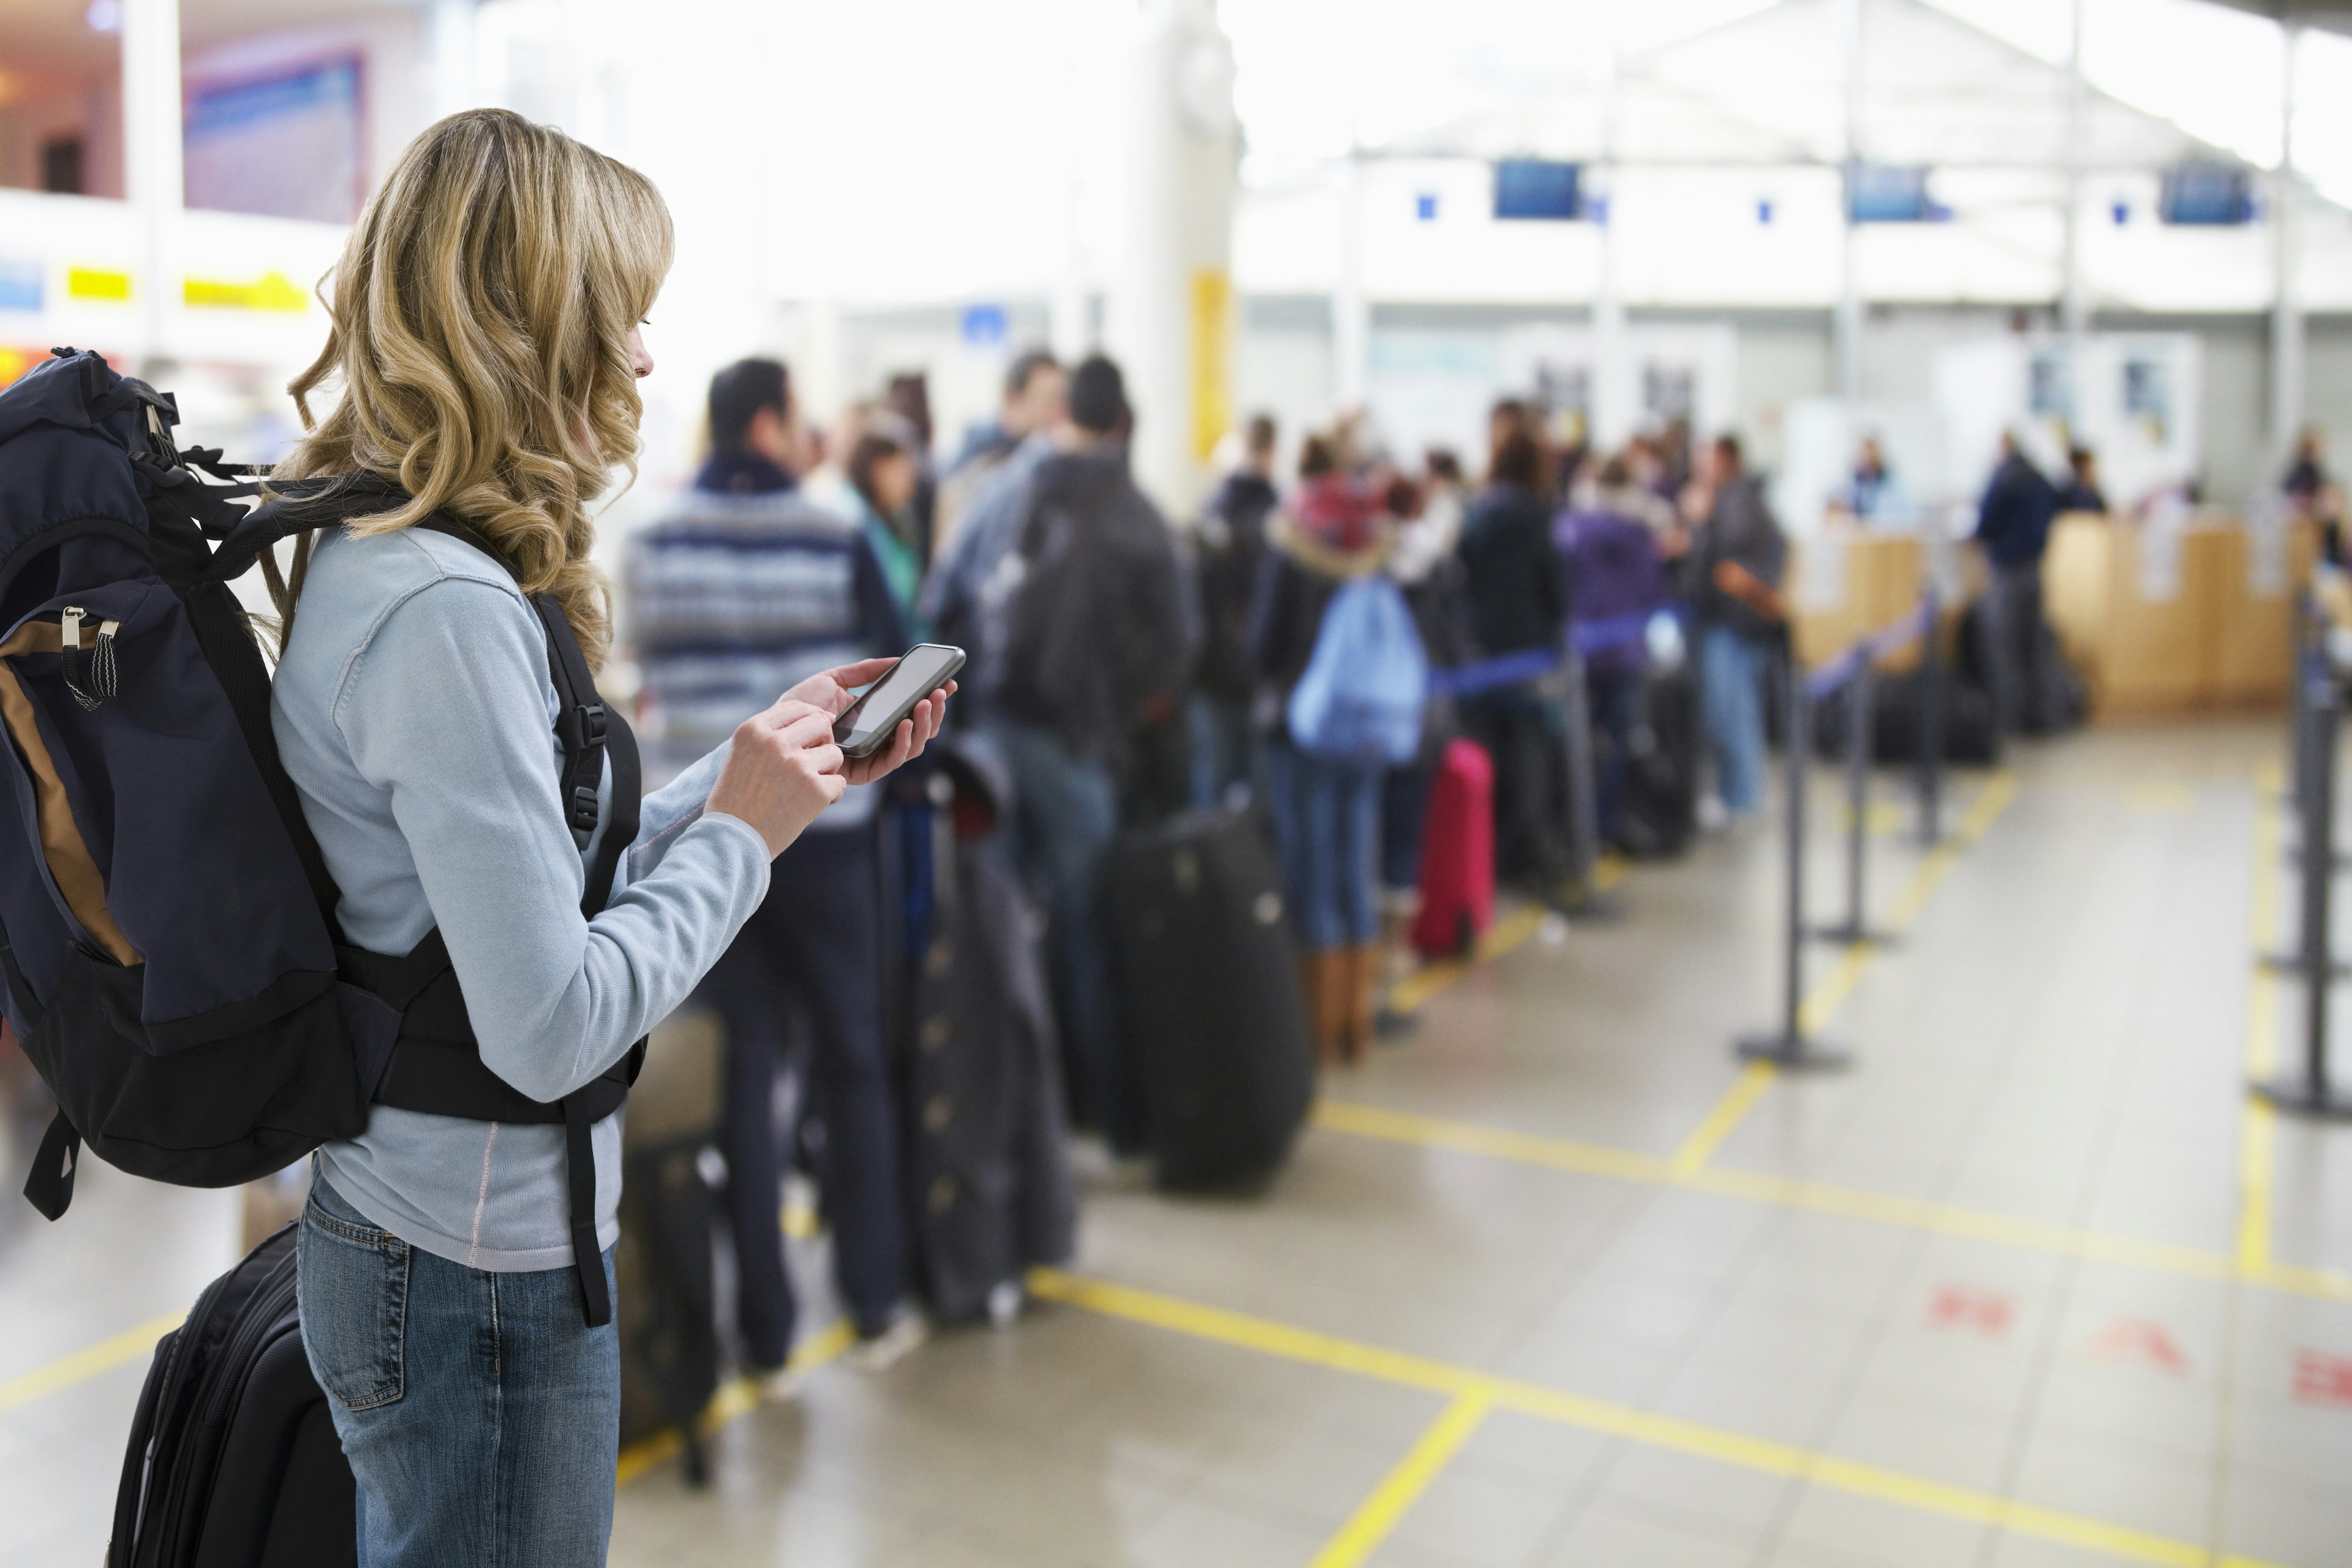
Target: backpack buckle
583	808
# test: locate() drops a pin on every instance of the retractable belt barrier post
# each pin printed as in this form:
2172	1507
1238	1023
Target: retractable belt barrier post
1583	899
2309	1091
1855	671
1931	722
1788	1046
2303	794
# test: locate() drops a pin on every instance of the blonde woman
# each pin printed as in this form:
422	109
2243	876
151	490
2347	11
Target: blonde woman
484	348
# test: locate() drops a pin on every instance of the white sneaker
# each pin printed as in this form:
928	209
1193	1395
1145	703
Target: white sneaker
1712	815
906	1334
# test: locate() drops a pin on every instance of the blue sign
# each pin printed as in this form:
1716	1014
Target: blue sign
1424	206
1529	188
1877	192
20	285
984	326
1764	210
2205	196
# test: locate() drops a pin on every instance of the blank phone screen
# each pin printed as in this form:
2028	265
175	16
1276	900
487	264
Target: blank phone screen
891	699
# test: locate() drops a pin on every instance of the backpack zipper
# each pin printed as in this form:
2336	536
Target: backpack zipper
104	673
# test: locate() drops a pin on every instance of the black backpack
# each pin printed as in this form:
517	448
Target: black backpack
168	932
233	1456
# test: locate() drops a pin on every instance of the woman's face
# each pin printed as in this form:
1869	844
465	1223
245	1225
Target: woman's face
893	482
641	359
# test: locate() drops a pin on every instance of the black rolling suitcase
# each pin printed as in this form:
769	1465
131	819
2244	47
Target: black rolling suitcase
233	1462
666	1266
1208	998
1660	812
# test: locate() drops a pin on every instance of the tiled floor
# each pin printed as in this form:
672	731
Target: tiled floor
2013	1321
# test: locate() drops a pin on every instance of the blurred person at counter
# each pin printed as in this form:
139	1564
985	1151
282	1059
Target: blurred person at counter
743	589
2013	530
1876	496
2312	494
1517	597
1740	559
2080	492
1035	387
1228	551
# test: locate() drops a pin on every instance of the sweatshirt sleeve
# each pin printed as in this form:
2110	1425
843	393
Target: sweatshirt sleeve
446	708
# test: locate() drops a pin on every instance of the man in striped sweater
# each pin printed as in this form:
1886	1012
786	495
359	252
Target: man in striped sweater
743	589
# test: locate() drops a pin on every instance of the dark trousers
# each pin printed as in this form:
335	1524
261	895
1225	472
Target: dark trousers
1522	728
812	950
2014	650
1614	695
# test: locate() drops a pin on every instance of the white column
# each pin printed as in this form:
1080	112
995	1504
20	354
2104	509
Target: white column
2286	313
1351	307
151	163
1616	397
452	86
1170	299
2073	309
1847	330
1069	331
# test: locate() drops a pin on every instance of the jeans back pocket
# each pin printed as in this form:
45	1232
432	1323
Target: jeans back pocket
351	1281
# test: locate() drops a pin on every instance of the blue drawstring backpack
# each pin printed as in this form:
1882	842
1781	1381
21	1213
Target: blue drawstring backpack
1366	682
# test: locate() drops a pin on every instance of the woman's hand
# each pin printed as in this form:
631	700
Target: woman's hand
832	690
915	732
781	769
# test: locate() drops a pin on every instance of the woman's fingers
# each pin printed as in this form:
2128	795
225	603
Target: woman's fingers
810	729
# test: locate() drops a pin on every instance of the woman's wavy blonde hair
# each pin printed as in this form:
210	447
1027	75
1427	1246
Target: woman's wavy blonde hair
479	320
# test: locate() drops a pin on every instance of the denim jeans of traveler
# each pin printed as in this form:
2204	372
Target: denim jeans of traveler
1065	813
1731	683
1326	827
482	1416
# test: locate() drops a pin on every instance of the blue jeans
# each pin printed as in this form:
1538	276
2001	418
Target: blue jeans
1327	825
1731	682
1224	750
482	1417
1065	816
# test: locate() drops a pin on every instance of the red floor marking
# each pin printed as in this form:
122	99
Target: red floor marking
1988	1313
2137	1338
2322	1379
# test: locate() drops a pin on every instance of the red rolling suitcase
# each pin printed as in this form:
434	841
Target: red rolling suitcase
1457	853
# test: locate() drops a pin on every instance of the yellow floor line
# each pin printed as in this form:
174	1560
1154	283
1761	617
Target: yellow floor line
1508	933
1402	1488
732	1402
1829	993
1699	1147
2258	1122
88	1363
1818	1197
1462	1384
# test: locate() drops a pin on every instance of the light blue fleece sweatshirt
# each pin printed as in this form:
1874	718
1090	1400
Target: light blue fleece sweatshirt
416	717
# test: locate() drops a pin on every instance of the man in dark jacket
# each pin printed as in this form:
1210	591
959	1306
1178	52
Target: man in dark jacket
1516	589
2013	530
1096	644
1229	547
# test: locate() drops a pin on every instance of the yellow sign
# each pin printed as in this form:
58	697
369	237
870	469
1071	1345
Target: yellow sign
1213	360
272	291
93	283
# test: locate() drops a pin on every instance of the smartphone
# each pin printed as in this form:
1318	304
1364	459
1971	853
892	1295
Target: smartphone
870	722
